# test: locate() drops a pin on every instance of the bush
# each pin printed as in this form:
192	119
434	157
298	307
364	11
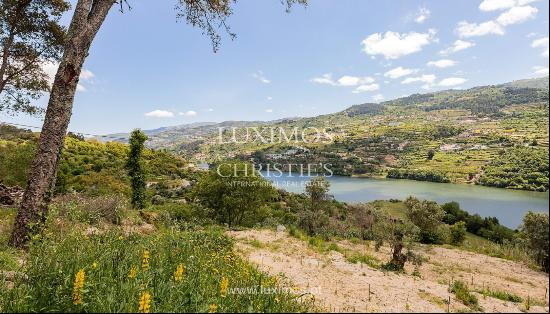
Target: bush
180	271
427	216
458	233
89	210
536	228
462	293
235	193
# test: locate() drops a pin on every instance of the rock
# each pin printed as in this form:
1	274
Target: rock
281	228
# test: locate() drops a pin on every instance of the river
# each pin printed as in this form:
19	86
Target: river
509	206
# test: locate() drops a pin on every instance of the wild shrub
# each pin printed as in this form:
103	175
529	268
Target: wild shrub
90	209
462	293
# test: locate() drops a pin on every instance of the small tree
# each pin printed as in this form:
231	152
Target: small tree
399	235
458	233
426	215
317	191
535	227
234	192
135	168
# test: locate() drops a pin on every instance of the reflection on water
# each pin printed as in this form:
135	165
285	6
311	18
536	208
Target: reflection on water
508	206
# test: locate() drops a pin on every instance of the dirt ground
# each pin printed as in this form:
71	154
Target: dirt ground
340	286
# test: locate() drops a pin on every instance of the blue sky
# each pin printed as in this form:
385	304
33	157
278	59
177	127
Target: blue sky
147	70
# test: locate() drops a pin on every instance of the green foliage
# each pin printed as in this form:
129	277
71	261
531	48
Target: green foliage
428	217
524	168
488	227
31	37
458	233
89	210
107	260
316	190
15	161
400	235
418	175
235	193
135	168
536	228
502	295
461	291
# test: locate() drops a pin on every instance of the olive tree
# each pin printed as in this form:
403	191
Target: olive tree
427	216
208	15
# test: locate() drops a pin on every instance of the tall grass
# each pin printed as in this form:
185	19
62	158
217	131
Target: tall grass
170	271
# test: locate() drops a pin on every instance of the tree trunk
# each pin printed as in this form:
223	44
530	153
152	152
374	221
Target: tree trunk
86	21
398	259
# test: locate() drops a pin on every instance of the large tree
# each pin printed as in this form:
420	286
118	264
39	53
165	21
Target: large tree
31	39
209	15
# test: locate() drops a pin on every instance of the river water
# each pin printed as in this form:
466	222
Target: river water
509	206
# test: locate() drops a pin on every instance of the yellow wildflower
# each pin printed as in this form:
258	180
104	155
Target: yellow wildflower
145	262
94	265
145	303
178	275
223	287
213	308
78	286
133	272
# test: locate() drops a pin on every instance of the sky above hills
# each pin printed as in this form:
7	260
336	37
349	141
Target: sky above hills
147	70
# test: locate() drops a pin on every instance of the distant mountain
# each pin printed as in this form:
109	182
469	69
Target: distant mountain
479	101
172	136
530	83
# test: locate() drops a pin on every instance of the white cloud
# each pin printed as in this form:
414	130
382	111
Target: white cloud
540	71
50	68
452	81
541	43
159	114
466	29
86	75
493	5
366	88
422	15
399	72
517	15
393	45
269	98
443	63
354	80
269	110
210	110
345	80
427	79
457	46
260	77
189	113
378	97
324	79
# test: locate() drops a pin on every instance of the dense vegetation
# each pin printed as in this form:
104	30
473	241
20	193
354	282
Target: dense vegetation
522	168
89	166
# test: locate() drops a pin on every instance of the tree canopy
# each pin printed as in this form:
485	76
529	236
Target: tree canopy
31	39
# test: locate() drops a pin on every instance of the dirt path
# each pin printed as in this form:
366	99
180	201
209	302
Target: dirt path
340	286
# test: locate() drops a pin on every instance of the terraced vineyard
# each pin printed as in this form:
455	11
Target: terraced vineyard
450	135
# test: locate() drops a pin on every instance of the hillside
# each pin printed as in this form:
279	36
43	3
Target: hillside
461	136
